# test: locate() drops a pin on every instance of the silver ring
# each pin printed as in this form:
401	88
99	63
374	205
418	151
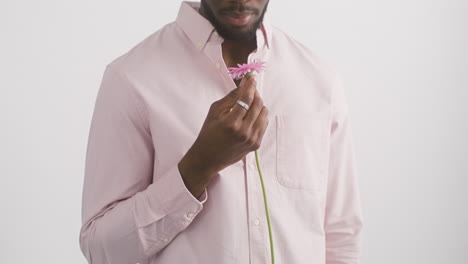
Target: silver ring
246	106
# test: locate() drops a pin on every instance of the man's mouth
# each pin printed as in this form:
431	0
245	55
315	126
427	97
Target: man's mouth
238	19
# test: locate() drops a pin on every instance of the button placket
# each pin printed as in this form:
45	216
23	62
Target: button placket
257	222
255	209
252	172
251	166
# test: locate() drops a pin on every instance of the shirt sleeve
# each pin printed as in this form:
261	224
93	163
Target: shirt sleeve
126	217
343	217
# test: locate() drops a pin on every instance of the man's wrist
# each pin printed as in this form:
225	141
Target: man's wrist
195	180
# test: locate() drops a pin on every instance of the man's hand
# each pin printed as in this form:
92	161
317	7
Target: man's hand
227	135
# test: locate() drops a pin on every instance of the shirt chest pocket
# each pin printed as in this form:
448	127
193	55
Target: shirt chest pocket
302	150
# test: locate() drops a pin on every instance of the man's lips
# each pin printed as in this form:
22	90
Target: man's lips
238	19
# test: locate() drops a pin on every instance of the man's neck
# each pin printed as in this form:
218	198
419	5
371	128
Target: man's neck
237	52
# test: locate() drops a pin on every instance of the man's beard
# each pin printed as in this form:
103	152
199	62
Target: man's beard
228	34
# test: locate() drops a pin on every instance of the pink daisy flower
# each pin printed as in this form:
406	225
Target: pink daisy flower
246	69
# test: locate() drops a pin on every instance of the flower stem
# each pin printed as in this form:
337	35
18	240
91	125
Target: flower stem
266	209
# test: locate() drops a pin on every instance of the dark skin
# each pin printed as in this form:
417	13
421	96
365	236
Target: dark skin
239	40
229	131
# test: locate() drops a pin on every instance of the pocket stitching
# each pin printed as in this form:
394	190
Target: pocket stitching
315	184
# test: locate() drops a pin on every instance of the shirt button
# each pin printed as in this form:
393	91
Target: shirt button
165	240
190	215
218	65
257	222
199	43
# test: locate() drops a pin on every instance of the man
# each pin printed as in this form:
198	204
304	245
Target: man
171	175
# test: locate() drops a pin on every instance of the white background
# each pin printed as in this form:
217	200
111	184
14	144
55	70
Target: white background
404	62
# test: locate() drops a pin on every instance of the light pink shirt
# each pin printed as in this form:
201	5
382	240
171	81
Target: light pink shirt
149	110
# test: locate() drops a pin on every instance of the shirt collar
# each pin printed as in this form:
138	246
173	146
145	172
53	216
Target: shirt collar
199	29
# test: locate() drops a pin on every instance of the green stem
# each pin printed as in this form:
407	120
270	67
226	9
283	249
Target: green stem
266	209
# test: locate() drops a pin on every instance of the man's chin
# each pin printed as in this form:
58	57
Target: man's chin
238	33
238	36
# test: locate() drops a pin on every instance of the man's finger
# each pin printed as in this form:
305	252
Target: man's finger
248	95
259	126
233	95
254	109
